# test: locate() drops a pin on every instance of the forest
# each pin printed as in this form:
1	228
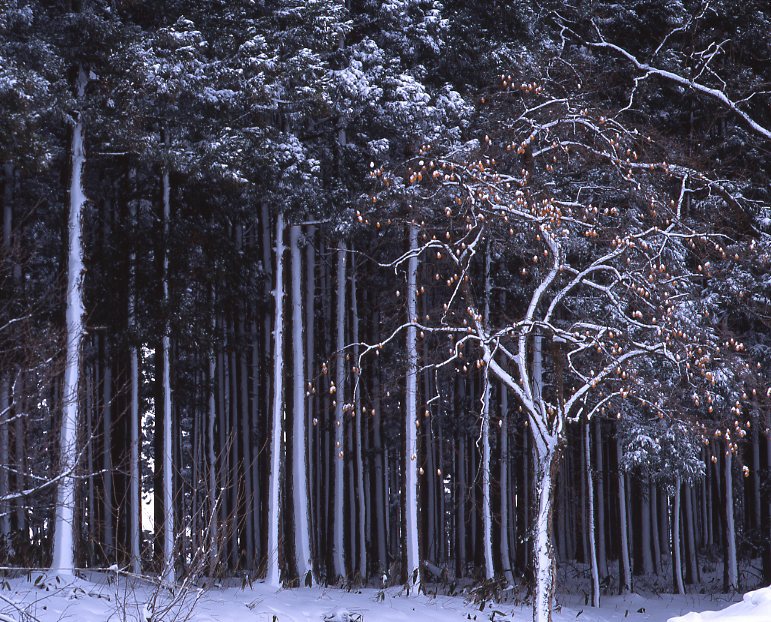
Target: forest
447	296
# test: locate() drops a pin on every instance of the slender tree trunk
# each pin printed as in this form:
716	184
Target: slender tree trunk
547	459
460	503
169	575
211	451
693	560
312	438
625	583
590	515
381	474
273	576
90	531
645	531
676	556
599	445
254	435
655	535
732	574
359	437
5	401
246	446
526	495
5	510
267	360
506	564
411	437
487	518
300	488
338	547
64	516
756	498
235	461
109	542
135	502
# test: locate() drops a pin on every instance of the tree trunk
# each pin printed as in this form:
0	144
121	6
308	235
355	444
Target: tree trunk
64	516
655	535
380	478
359	435
212	458
273	576
5	401
411	437
676	556
300	489
168	462
625	583
547	459
599	445
590	515
135	501
312	438
506	564
732	575
693	561
109	542
338	546
487	517
645	530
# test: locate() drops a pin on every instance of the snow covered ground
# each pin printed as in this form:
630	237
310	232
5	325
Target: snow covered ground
46	598
755	607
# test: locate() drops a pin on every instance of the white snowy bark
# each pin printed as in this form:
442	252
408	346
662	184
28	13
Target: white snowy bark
487	518
590	513
338	545
299	467
411	431
545	566
625	582
169	573
135	522
273	577
64	518
730	529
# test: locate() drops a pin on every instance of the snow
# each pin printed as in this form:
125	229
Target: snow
755	607
101	598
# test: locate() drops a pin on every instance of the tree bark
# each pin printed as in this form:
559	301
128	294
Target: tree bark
300	488
676	556
411	437
273	576
338	545
590	515
64	515
732	574
625	583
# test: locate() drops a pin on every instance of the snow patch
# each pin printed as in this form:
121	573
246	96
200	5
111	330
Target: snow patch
755	607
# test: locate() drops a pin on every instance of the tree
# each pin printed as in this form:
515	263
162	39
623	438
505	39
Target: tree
606	283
